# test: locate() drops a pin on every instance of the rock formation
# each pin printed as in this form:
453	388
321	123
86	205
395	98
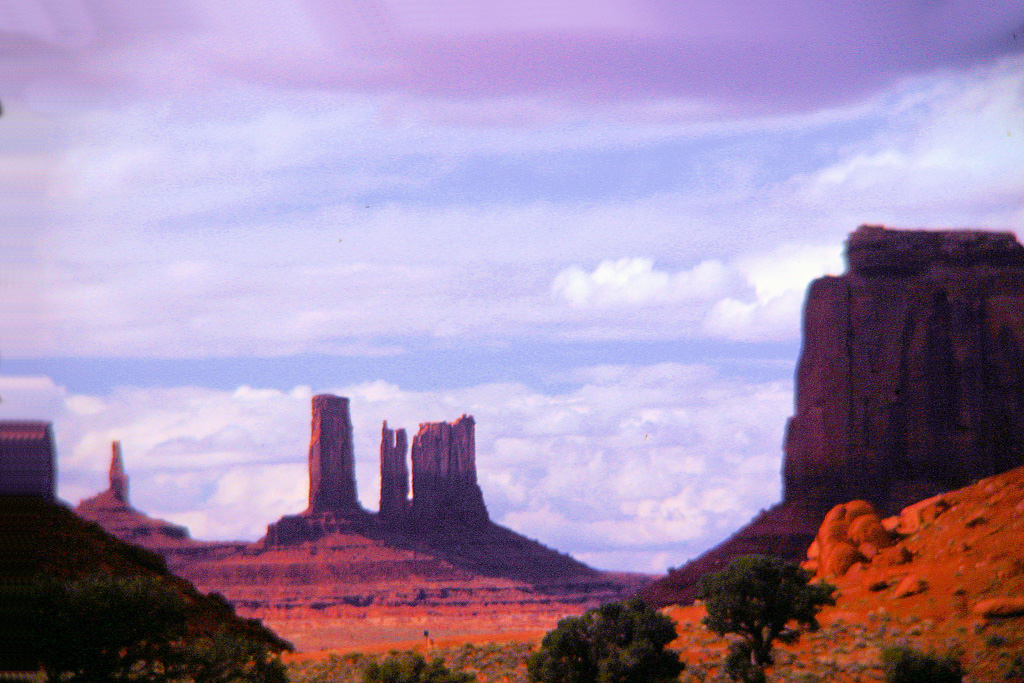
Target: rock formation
333	505
394	478
332	466
118	478
112	510
444	487
910	383
27	462
435	560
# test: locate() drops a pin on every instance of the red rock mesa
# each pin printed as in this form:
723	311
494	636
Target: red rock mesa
910	383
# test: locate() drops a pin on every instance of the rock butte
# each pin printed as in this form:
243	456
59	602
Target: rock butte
910	383
339	575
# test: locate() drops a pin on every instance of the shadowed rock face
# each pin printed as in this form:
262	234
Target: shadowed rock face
332	469
910	383
394	478
118	478
444	486
27	461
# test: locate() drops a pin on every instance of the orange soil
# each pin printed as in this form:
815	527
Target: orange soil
965	547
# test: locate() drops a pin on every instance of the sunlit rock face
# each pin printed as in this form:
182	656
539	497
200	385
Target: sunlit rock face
910	383
332	465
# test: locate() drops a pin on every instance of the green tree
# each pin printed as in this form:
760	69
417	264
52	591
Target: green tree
904	664
760	599
614	643
410	667
106	628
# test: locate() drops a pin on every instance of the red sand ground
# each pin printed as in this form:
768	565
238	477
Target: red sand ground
966	553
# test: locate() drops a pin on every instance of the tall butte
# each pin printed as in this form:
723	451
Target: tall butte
910	383
332	468
394	478
444	485
333	505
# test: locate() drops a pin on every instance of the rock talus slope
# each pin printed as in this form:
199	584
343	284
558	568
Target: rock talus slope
943	575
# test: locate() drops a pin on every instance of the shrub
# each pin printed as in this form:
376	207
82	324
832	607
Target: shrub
757	598
410	667
904	664
614	643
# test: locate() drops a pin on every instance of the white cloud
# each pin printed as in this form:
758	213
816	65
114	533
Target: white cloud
950	157
661	460
753	297
632	281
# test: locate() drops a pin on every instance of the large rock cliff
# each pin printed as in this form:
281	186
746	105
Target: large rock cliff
910	383
911	379
445	490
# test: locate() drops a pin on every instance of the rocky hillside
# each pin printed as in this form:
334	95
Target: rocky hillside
40	538
944	575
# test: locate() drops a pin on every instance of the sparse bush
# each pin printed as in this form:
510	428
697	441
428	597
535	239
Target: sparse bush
410	667
613	643
903	664
995	640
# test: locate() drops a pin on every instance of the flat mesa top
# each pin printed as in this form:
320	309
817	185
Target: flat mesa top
876	250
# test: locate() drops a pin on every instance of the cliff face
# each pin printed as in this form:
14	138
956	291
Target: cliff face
910	383
444	486
394	478
332	478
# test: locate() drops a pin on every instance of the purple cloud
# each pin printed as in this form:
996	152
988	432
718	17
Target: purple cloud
773	56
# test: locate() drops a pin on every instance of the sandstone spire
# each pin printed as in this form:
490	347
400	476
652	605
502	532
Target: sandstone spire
118	479
444	485
332	476
394	477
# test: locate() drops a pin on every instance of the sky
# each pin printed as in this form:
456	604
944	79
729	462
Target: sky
590	225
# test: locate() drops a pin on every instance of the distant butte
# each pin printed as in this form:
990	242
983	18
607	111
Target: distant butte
112	510
337	573
910	383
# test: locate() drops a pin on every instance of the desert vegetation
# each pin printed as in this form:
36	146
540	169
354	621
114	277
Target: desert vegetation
107	628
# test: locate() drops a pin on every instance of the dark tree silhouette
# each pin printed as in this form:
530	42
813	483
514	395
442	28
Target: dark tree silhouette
614	643
761	599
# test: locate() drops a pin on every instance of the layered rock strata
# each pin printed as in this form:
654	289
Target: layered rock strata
910	383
